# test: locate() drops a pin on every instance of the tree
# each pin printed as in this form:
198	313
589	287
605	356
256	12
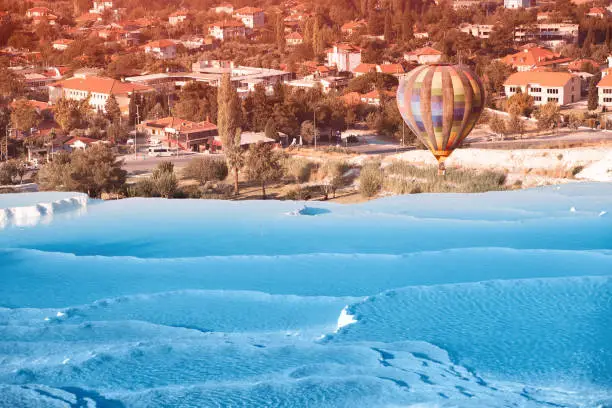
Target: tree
92	171
113	111
520	104
263	165
575	121
71	114
205	169
11	84
516	125
593	96
24	116
307	131
228	125
333	172
497	125
164	180
270	130
548	116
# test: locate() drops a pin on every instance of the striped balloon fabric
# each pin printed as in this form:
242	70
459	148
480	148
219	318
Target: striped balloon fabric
441	104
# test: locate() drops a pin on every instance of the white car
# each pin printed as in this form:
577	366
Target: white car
159	151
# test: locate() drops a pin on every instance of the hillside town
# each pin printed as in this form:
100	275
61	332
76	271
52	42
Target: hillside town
143	77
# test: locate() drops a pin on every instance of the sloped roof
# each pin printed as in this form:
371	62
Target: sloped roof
425	51
160	44
248	10
531	56
365	68
101	85
543	78
182	125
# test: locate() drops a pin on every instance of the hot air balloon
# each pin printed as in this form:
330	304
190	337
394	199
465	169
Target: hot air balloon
441	104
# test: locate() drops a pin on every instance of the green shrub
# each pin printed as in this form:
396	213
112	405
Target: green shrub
370	179
205	169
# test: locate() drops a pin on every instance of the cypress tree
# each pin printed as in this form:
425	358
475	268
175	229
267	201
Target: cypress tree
228	125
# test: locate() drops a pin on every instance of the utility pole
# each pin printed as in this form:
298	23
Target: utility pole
314	116
136	133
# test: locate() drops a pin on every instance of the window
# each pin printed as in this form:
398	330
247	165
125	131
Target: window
512	89
607	91
553	100
536	90
552	91
537	98
607	100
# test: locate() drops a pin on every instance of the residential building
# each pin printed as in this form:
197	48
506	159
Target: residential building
190	135
294	38
81	142
393	69
374	97
604	91
477	30
345	57
162	49
465	4
226	8
545	86
35	12
178	17
98	90
326	84
516	4
597	12
353	27
62	44
251	17
549	34
210	72
533	57
100	6
543	16
583	64
227	30
425	55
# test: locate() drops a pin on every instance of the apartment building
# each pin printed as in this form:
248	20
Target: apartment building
227	30
545	86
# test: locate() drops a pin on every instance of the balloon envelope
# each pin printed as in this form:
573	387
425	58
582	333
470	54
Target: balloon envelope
441	105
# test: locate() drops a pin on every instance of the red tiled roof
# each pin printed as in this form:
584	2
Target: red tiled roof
392	69
160	44
100	85
576	65
531	57
425	51
543	78
182	125
294	36
365	68
248	10
83	139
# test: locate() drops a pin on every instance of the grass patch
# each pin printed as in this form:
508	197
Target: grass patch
404	178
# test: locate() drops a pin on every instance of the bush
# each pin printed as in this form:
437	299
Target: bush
8	170
333	172
166	184
205	169
370	179
298	169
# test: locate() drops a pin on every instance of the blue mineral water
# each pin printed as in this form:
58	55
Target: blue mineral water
502	299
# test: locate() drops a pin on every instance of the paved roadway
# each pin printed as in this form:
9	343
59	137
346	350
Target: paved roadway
478	139
144	163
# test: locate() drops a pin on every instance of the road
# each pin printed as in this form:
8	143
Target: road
145	164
